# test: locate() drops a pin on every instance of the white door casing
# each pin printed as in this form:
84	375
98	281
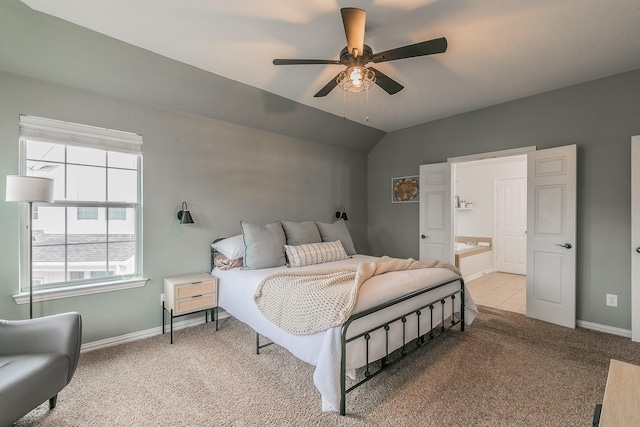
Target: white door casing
436	210
551	235
511	225
635	238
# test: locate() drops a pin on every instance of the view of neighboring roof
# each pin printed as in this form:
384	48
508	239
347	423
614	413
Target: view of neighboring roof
83	247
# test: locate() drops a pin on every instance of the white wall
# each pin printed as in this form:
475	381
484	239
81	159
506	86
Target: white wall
474	183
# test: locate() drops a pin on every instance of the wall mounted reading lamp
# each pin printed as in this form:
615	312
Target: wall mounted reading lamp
184	216
341	213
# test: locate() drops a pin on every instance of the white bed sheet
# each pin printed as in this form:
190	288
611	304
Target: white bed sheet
237	288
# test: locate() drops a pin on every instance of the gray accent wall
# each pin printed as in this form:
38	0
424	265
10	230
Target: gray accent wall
234	152
224	171
230	151
600	117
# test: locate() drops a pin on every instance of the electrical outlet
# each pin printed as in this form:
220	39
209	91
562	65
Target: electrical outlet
162	298
612	300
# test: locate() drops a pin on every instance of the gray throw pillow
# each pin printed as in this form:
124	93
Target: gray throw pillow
337	231
264	245
301	233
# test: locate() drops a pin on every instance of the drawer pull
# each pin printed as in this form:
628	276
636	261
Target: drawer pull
195	283
196	296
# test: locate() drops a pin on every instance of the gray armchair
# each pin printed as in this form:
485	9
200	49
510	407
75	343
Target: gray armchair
37	359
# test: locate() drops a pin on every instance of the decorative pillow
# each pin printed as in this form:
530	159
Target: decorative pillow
224	263
315	253
231	247
301	233
337	231
263	245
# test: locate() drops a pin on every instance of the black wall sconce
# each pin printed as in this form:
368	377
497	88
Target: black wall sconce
341	213
184	216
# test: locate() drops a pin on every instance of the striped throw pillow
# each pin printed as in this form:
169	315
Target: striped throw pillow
315	253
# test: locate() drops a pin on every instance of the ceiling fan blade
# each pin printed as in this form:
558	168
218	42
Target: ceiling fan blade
428	47
354	20
304	61
386	83
328	87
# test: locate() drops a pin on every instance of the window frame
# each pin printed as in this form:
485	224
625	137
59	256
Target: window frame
71	134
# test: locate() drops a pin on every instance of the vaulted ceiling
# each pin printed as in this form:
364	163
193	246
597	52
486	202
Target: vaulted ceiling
498	50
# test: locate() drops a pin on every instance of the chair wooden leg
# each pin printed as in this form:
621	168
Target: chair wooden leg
52	402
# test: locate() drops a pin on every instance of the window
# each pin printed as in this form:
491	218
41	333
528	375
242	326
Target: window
86	213
117	214
91	233
98	274
76	275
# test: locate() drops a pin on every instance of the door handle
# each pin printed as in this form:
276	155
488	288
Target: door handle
423	236
566	245
638	250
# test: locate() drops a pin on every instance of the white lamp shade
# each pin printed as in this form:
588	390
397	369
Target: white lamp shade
29	189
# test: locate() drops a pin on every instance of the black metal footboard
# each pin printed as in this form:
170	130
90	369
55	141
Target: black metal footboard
422	336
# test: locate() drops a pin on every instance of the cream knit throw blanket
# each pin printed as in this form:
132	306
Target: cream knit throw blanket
306	302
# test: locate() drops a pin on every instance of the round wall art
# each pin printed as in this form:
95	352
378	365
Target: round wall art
405	189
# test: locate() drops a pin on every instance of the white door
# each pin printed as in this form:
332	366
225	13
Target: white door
551	235
511	225
436	207
635	238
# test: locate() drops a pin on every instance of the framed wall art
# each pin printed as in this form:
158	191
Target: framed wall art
405	189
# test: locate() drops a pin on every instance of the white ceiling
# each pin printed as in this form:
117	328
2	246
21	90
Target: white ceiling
499	50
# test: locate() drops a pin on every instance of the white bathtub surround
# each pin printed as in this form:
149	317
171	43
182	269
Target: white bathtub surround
473	256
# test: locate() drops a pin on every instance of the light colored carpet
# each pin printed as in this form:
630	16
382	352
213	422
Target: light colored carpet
504	370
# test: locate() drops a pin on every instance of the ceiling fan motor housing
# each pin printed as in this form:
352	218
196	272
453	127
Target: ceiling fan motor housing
347	58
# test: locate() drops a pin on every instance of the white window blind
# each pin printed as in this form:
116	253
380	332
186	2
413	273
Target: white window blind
48	130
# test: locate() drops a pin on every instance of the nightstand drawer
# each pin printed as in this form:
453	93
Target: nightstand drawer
191	289
195	303
186	287
190	293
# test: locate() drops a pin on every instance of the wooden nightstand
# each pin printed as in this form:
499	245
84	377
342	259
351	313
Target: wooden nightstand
190	293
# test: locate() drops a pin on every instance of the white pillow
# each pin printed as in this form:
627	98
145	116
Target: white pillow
231	247
315	253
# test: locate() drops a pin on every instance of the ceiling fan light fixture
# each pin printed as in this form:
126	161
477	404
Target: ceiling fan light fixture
356	79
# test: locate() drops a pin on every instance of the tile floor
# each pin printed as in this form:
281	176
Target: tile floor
500	290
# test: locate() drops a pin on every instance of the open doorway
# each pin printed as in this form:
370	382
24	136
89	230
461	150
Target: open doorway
489	222
551	225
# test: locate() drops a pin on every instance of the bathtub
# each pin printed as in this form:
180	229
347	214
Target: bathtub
460	246
473	260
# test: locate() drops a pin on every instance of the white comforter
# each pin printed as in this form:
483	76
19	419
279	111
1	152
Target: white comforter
322	349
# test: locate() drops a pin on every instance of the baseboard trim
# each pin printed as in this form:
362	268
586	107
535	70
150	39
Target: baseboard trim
135	336
604	328
480	274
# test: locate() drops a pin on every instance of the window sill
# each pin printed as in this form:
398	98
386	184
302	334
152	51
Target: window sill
79	290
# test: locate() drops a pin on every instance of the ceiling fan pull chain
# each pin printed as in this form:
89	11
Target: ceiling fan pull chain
367	107
344	102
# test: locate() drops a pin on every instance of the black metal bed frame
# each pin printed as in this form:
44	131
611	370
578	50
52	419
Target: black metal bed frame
395	355
401	352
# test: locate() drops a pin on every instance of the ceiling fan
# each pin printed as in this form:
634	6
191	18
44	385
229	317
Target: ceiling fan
356	55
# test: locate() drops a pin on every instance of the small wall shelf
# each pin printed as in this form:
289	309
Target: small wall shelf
463	209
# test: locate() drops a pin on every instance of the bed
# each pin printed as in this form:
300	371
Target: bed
395	313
